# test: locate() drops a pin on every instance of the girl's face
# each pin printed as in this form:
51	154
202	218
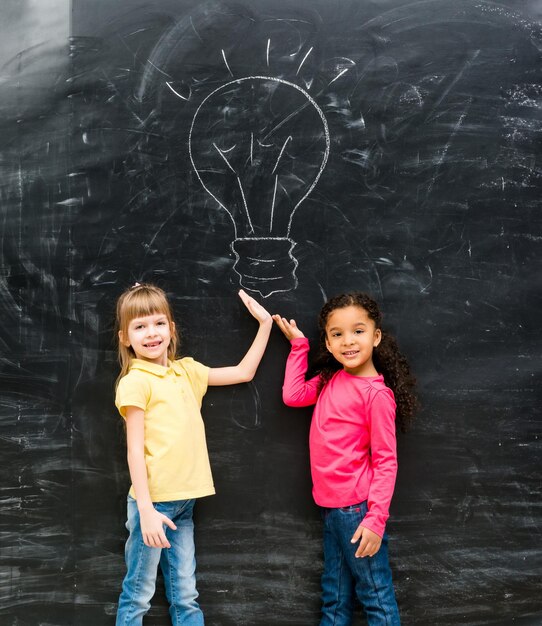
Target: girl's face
350	337
149	336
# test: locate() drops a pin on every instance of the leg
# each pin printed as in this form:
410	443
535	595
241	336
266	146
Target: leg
140	581
337	581
372	575
178	565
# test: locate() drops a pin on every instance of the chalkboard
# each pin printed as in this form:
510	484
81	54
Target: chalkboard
296	148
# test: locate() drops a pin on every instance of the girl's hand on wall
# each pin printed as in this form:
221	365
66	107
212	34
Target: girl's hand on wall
255	309
152	528
370	542
289	328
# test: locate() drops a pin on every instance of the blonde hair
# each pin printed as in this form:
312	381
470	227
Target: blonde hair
140	301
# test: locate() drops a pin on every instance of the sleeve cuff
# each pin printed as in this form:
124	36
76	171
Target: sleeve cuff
299	341
370	522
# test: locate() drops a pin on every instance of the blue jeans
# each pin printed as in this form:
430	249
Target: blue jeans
178	565
345	577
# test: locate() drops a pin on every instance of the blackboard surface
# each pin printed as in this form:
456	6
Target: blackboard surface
298	149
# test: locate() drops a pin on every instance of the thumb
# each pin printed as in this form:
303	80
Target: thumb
357	535
168	522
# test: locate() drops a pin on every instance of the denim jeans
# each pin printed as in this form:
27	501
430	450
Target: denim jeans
345	577
178	565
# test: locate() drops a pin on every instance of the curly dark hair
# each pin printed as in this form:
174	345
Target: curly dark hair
387	358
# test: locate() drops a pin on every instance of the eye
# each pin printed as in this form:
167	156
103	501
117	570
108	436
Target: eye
359	331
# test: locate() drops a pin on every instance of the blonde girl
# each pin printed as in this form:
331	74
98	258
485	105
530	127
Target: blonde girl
160	396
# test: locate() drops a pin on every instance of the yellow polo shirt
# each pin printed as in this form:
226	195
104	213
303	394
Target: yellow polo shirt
175	447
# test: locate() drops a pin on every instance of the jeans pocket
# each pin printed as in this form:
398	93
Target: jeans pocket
352	516
176	509
353	508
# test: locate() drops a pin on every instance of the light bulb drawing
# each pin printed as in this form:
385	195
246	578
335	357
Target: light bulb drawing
258	146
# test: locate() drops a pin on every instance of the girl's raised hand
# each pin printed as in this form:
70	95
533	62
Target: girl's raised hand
289	328
255	309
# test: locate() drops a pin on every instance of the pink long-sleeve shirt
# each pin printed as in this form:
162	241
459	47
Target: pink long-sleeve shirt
352	437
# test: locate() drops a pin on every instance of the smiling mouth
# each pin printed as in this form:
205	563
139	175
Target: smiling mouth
350	353
155	344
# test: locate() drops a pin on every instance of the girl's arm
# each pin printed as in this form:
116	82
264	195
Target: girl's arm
297	391
152	522
384	463
245	370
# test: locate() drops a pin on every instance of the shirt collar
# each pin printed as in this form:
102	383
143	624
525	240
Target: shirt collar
154	368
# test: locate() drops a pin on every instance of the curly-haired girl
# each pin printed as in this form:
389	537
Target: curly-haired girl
362	390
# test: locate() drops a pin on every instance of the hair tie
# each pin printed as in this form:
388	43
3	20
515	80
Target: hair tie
135	285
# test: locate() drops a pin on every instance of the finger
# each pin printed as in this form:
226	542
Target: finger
160	540
245	297
165	520
256	309
362	551
295	330
149	540
356	536
289	324
371	548
280	323
250	303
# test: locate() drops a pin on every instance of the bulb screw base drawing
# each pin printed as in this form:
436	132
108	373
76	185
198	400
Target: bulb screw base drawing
265	265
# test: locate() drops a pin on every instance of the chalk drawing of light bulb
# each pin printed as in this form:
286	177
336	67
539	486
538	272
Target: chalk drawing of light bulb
258	146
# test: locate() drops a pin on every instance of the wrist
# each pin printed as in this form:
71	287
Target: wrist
145	507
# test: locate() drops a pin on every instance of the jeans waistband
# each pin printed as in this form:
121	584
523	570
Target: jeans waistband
351	507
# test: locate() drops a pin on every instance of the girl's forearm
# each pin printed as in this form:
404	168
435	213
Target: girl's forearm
297	391
135	443
250	362
138	476
152	521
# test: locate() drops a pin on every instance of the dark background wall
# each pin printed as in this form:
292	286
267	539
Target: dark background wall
429	199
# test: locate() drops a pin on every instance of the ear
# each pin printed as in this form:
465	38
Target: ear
123	341
378	337
328	345
172	328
